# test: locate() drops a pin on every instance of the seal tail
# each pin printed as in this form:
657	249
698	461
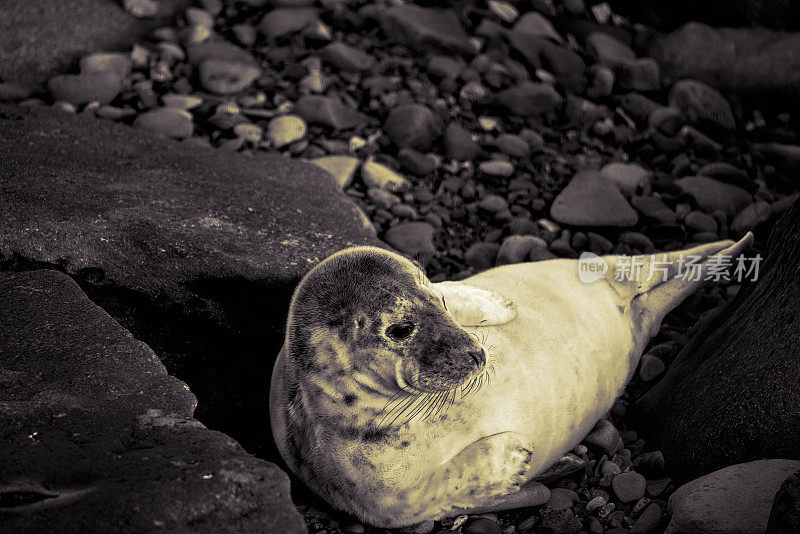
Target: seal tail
664	280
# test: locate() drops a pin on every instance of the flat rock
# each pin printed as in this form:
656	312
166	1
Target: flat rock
653	208
426	30
412	126
219	50
529	98
630	178
735	500
196	251
753	62
96	436
42	38
118	63
591	199
713	195
609	51
328	111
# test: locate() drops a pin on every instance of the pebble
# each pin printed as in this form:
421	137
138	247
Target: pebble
608	50
595	504
604	436
560	521
493	203
377	175
416	162
426	30
481	525
737	498
630	178
629	486
185	102
115	113
141	8
343	168
481	255
414	239
516	248
702	104
529	98
503	10
459	144
534	24
440	66
251	133
591	199
700	221
496	167
653	208
658	486
244	33
649	521
562	498
668	120
328	111
750	217
713	195
639	75
168	121
405	211
513	145
413	126
286	129
223	77
84	88
382	198
651	367
286	21
347	57
118	63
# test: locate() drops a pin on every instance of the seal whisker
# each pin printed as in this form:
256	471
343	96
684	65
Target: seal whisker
420	407
410	402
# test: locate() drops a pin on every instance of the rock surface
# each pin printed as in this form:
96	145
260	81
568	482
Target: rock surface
35	44
754	62
736	499
166	237
91	421
729	395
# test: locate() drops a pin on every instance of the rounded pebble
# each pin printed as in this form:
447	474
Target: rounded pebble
168	121
629	486
286	129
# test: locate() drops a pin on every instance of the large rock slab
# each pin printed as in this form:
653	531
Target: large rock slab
194	250
95	436
753	62
41	37
730	396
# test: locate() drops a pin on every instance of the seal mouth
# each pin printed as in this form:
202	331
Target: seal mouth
410	378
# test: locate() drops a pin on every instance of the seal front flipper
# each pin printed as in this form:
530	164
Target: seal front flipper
482	473
473	306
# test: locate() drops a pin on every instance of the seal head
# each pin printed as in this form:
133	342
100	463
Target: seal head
391	322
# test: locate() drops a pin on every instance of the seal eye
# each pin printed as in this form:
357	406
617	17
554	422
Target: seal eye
400	331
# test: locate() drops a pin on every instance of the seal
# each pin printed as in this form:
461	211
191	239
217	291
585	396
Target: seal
402	401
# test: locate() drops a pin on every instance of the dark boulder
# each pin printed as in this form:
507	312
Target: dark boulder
196	251
95	436
731	394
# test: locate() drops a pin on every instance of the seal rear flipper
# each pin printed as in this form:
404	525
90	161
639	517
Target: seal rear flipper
667	279
473	306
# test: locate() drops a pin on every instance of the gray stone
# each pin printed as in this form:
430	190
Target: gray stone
426	30
412	126
281	22
414	239
83	88
328	111
734	500
785	515
713	195
702	104
530	98
196	251
591	199
95	436
347	57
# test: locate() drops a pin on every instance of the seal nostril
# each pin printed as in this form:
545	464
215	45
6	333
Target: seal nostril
478	356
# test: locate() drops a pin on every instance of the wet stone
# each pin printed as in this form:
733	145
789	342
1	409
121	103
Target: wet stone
412	125
167	121
347	58
328	111
629	486
378	175
84	88
529	98
702	104
414	239
591	199
285	130
343	168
